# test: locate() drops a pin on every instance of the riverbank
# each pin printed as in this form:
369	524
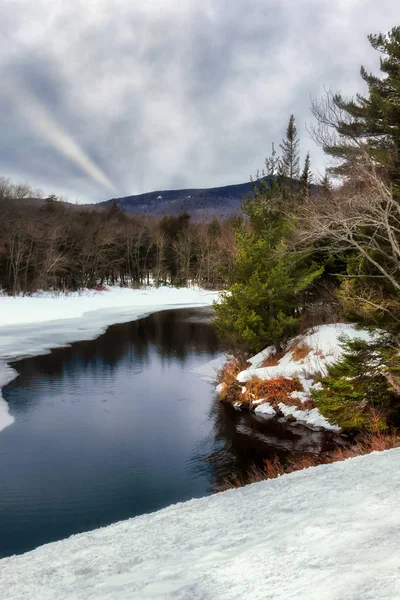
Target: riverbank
279	385
328	532
33	325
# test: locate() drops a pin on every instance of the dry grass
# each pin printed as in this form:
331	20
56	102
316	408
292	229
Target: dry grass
275	390
373	441
299	351
273	360
308	404
232	389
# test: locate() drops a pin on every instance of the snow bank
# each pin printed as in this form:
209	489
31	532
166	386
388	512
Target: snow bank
265	409
325	350
327	533
32	325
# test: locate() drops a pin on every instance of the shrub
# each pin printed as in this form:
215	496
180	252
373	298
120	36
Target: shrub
232	389
370	441
275	390
364	380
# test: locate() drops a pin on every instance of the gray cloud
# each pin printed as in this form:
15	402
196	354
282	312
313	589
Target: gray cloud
113	97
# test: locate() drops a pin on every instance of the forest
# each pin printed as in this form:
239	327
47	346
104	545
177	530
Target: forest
61	246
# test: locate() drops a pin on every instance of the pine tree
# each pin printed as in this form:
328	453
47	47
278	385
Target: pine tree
270	282
290	162
375	117
326	184
306	177
360	386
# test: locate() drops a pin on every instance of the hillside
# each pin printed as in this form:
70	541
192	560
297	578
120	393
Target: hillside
202	204
329	532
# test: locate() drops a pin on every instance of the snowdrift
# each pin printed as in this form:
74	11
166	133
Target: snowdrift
326	533
321	347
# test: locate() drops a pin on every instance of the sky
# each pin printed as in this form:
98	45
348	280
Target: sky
107	98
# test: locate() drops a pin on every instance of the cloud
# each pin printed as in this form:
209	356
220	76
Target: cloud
42	123
118	95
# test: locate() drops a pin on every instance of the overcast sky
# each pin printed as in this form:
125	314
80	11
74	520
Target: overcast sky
105	98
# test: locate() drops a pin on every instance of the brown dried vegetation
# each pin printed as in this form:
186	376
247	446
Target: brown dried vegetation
365	443
299	351
273	360
232	389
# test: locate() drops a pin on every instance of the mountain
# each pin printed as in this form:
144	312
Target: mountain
202	204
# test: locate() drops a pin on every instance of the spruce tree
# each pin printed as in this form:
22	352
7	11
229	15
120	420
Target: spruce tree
305	179
374	118
326	184
290	162
362	385
271	284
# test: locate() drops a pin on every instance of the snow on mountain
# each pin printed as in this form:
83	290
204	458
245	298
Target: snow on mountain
325	533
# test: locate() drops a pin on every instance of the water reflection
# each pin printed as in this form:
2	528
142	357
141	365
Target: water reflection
119	426
245	439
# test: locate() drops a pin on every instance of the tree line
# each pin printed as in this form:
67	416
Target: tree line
58	246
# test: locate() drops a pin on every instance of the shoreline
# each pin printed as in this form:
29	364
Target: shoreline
35	325
320	518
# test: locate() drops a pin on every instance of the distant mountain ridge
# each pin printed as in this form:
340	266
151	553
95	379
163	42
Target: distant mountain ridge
201	204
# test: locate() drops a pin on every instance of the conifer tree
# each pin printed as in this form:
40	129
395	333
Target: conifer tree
306	177
362	385
271	284
290	162
325	186
374	117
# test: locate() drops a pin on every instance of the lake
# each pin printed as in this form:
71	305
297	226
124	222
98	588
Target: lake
120	426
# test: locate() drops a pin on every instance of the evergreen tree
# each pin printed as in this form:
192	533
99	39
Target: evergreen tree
326	184
362	386
290	162
306	177
375	117
271	284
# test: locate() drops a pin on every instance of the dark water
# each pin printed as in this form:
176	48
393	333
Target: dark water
119	426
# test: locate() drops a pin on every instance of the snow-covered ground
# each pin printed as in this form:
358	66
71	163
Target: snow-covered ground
326	533
325	349
322	347
32	325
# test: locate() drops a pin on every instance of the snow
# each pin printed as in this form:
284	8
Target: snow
324	342
326	533
265	409
310	417
324	349
32	325
258	359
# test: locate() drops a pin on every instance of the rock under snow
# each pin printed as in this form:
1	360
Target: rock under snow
265	409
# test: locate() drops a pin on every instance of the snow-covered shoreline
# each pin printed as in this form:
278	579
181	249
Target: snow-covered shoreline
306	357
329	532
33	325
